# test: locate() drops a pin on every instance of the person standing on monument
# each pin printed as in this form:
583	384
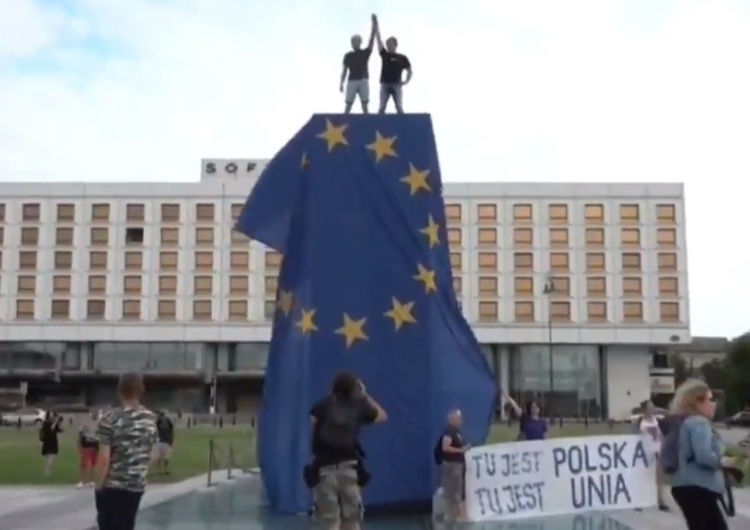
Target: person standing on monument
356	66
392	79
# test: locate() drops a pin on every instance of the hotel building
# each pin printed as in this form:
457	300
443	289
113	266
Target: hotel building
570	288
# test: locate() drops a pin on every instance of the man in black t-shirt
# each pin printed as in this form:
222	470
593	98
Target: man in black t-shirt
337	420
391	73
453	466
356	65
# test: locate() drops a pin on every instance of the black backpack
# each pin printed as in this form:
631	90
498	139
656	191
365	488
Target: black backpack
339	430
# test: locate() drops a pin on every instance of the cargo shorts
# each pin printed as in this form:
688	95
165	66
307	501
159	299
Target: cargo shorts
337	496
452	482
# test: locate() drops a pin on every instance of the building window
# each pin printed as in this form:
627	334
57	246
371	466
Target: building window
596	287
170	237
239	285
271	285
667	261
133	260
134	236
453	213
560	311
27	260
204	236
273	259
456	261
631	261
454	237
558	237
135	212
630	213
523	261
203	285
95	309
488	311
559	261
523	213
595	262
131	309
632	311
97	284
2	235
558	213
60	309
205	212
239	260
487	236
523	236
238	238
97	260
668	286
29	236
236	210
488	286
487	213
269	309
524	311
166	309
488	261
632	286
99	236
132	284
167	284
560	286
594	237
26	285
168	260
63	260
64	236
630	237
31	211
100	212
666	237
61	284
237	310
669	311
204	260
594	213
2	212
597	311
170	213
457	285
202	310
523	286
666	214
25	309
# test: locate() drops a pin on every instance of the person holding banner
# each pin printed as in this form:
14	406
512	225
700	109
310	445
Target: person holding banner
649	426
453	467
532	425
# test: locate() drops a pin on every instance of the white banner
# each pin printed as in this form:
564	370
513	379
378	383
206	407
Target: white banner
559	476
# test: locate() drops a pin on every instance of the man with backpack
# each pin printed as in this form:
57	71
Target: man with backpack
336	468
450	456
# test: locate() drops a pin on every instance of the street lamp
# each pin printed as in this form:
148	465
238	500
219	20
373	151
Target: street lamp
549	289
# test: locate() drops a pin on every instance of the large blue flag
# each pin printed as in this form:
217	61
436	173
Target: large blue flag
355	205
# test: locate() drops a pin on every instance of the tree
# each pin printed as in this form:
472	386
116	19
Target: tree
682	371
715	373
738	374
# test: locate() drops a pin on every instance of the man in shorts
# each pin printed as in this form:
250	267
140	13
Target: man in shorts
453	467
391	73
165	428
88	449
337	420
356	66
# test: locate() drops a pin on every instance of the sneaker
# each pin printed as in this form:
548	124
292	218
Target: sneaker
664	508
81	485
90	485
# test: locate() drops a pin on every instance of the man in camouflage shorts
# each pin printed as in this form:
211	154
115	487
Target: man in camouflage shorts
127	436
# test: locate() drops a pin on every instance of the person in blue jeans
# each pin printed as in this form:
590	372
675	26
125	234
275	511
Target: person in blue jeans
698	481
532	425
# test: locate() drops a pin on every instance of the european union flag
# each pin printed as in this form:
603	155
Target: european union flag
355	205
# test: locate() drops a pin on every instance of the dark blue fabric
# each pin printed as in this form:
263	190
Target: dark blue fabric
351	231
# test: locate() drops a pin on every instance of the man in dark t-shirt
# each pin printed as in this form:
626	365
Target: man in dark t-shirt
391	74
337	494
356	66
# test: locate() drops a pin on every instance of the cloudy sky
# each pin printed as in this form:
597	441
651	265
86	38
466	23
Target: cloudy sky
531	90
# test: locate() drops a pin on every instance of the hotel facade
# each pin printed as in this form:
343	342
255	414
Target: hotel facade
571	289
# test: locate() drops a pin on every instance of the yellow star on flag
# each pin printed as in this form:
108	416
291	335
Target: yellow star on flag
382	146
306	323
285	302
305	161
431	231
401	313
334	135
427	277
417	180
353	330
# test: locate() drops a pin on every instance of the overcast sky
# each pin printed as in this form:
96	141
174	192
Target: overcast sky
520	90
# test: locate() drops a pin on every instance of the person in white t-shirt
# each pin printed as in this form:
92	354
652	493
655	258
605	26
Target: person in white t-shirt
649	425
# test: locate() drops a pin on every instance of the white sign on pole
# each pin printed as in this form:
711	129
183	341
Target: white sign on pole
559	476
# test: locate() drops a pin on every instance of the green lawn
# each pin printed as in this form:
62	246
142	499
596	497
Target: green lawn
21	463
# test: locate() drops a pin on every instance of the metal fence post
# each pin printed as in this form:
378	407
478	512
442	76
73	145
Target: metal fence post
210	460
